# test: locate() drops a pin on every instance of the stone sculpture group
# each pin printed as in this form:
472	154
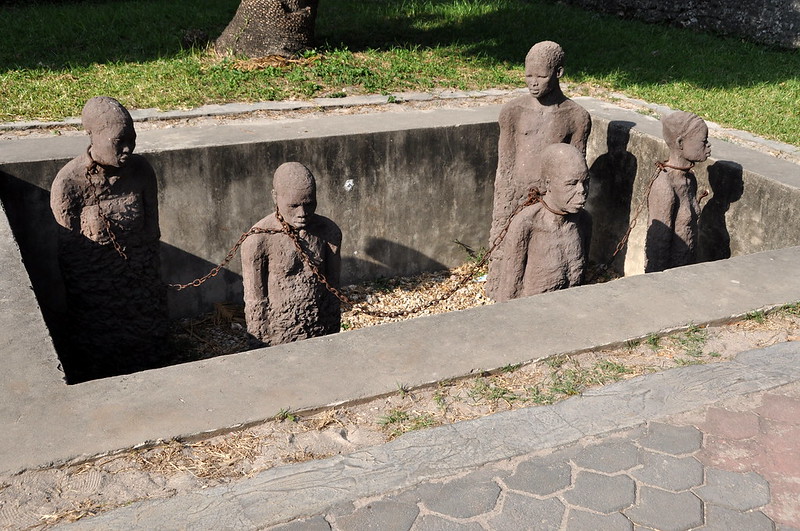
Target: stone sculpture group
105	202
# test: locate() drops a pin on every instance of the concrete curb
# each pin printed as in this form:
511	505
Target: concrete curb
302	490
377	100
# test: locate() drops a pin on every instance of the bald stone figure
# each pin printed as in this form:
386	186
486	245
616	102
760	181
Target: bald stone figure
543	250
283	299
528	124
672	204
105	202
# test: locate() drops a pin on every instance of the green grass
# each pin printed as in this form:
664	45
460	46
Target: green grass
54	57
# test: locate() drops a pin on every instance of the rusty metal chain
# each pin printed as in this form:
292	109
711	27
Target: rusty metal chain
228	257
534	196
93	169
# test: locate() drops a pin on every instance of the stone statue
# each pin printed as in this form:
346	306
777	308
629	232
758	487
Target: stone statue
544	248
528	124
672	204
284	301
105	202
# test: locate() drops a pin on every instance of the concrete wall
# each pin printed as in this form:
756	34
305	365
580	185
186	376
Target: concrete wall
774	22
419	181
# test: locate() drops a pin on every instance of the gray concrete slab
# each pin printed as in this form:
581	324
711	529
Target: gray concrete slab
428	466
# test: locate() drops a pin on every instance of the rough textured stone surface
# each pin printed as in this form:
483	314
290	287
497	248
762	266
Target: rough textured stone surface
724	519
764	21
528	124
284	300
431	522
461	498
318	523
672	205
540	476
601	493
105	203
612	456
380	516
666	510
674	440
668	472
586	521
741	491
521	512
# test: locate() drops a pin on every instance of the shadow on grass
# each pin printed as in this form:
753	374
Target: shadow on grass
493	33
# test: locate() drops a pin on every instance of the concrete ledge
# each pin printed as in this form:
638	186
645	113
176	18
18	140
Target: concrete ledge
47	422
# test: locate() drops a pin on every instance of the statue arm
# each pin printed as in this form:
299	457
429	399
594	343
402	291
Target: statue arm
661	207
503	192
515	261
255	278
64	203
583	127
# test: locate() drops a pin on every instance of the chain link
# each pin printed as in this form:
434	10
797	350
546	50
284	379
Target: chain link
94	169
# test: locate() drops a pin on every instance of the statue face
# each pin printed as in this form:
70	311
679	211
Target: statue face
695	145
297	205
568	194
540	78
113	145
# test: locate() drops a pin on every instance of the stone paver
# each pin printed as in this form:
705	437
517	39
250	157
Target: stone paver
667	511
724	519
669	472
380	516
586	521
541	477
461	498
610	457
674	440
521	512
601	493
735	490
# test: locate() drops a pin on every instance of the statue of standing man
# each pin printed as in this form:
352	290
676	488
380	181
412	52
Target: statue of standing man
105	202
283	299
529	124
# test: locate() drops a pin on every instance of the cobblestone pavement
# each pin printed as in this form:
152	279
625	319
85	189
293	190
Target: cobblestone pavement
737	470
701	447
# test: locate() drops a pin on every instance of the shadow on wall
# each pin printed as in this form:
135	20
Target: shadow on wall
727	186
611	194
382	257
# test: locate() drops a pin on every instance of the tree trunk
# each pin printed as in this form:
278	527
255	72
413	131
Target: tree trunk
270	27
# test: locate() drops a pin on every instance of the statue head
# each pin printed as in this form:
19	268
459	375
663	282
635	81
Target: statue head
686	135
294	192
544	66
110	129
566	177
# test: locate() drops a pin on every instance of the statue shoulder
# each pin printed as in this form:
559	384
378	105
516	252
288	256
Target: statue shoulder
329	230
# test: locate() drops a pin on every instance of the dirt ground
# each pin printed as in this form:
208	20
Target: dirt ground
38	499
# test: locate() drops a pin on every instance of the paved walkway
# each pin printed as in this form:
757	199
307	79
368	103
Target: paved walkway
712	447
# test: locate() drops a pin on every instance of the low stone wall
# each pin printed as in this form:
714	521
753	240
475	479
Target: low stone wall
774	22
402	186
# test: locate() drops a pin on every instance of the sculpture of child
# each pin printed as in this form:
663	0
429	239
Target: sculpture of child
543	249
105	202
284	300
672	204
528	124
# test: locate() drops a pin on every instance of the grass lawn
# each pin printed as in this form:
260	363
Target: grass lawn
54	57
